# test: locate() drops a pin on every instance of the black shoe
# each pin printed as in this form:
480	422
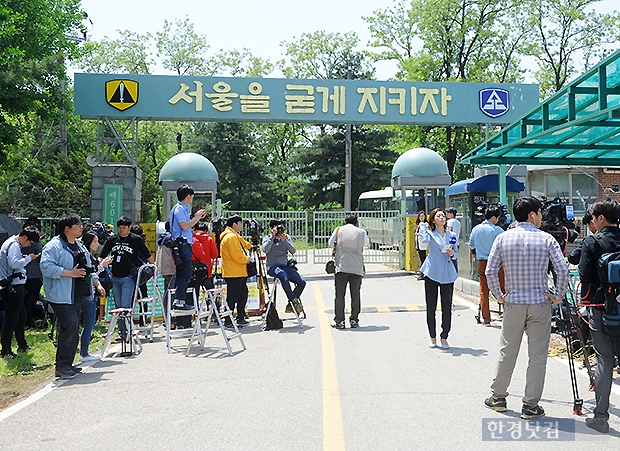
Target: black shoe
76	369
9	355
497	404
339	325
242	322
354	323
24	349
180	305
598	424
65	373
529	413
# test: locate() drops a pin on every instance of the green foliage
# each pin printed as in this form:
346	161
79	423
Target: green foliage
246	182
566	37
33	47
326	55
128	55
181	48
321	166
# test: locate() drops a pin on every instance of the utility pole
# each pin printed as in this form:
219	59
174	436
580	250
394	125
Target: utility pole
347	159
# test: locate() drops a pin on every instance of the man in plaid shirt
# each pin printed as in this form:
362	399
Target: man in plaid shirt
525	252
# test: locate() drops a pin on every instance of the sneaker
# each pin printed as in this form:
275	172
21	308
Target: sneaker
89	358
497	404
339	325
65	373
243	322
289	308
486	323
24	349
299	308
598	424
529	413
76	369
9	355
181	305
354	323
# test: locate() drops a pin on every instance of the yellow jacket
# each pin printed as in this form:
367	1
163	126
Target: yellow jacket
234	260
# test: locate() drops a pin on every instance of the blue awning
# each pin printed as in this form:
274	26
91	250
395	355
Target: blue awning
486	183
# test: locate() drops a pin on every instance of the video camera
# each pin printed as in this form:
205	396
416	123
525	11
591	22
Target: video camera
558	218
5	284
82	262
504	219
103	231
255	230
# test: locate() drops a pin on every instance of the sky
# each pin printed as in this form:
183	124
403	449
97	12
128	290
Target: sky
236	24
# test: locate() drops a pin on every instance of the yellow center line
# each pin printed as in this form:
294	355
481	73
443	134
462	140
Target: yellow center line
333	433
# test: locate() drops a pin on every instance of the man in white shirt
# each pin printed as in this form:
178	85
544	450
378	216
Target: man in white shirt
349	241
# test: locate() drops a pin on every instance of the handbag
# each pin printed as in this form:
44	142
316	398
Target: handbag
330	266
251	265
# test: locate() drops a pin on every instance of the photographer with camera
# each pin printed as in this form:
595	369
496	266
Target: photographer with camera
64	267
277	246
181	228
481	240
605	216
234	267
12	280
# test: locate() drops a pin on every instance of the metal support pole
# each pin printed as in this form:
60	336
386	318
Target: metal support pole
347	169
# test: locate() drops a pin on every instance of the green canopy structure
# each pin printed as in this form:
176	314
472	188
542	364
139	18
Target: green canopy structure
578	125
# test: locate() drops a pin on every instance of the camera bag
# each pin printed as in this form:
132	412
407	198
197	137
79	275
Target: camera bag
330	266
608	271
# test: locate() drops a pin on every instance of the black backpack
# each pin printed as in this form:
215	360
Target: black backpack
273	319
608	271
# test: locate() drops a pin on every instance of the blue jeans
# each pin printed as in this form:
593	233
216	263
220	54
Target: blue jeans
122	288
89	313
183	273
68	324
286	274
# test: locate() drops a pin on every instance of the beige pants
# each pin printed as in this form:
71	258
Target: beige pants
535	321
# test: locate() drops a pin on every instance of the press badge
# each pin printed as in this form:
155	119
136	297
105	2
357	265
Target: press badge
118	258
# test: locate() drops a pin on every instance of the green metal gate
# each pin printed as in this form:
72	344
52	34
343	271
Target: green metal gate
295	223
384	230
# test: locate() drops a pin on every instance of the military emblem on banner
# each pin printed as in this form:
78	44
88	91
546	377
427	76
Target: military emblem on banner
494	102
121	94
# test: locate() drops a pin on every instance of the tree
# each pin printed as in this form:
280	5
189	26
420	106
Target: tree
129	54
320	166
246	183
566	37
326	56
33	48
182	49
457	41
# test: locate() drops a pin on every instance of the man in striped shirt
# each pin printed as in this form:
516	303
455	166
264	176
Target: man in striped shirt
525	252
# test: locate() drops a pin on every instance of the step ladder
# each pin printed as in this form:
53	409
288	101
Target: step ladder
172	313
209	310
144	308
131	339
272	300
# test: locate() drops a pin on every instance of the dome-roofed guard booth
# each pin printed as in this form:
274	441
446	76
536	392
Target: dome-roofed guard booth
194	170
466	196
424	174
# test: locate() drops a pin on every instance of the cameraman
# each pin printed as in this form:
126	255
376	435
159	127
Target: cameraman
13	276
181	227
277	246
605	217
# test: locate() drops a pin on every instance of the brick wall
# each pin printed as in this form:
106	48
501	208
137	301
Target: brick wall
608	181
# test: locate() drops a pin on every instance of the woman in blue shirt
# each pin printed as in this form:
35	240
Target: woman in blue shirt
439	274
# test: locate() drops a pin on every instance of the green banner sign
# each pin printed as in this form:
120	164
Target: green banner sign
112	203
157	97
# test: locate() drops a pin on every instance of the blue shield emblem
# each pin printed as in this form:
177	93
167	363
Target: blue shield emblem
494	102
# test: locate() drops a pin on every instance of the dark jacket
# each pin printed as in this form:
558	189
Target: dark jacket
591	251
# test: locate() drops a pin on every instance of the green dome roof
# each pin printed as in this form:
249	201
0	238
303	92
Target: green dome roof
420	162
188	167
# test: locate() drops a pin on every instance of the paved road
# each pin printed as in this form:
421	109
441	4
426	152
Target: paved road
375	388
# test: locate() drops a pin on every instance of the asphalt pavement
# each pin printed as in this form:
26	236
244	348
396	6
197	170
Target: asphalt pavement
379	387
